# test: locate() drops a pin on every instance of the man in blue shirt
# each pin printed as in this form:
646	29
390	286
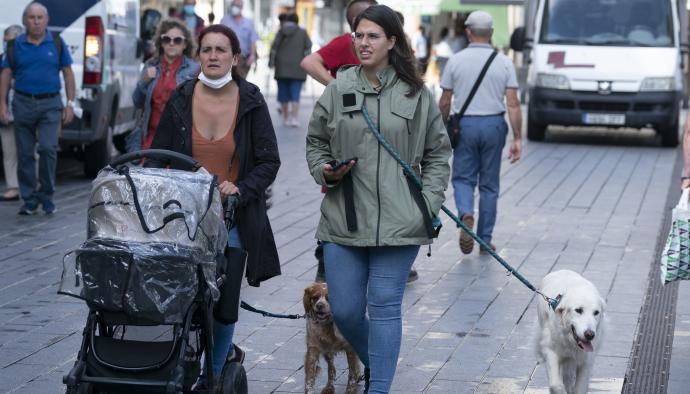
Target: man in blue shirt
246	34
37	106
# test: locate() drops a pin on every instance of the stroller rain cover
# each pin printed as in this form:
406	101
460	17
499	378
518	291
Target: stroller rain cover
149	230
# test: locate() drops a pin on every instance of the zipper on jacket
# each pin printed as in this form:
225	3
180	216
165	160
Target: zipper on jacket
378	170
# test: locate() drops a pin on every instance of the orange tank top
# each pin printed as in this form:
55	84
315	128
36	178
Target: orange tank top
217	157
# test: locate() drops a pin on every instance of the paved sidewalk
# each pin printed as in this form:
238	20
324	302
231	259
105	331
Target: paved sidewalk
595	208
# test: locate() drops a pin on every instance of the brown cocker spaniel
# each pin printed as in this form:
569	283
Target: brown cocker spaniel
324	339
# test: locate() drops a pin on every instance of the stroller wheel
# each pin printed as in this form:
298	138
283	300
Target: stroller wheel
82	388
233	379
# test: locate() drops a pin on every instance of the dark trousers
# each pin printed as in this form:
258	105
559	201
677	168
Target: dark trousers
36	119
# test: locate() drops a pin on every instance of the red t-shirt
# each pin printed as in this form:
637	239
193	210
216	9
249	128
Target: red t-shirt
338	53
161	93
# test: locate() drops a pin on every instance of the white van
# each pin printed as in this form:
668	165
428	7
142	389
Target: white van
611	63
103	39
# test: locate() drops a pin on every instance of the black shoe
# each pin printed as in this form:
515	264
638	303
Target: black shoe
48	207
29	208
412	276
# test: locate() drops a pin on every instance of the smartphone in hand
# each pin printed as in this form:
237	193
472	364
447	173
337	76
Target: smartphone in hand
335	166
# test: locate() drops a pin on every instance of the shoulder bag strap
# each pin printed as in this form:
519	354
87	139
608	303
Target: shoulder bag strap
432	225
10	52
476	84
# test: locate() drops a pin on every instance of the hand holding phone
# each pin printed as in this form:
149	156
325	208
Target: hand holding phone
337	169
335	166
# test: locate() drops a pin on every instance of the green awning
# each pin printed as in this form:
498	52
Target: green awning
501	36
415	7
457	5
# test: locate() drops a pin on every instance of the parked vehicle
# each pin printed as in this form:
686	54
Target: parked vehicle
103	37
610	63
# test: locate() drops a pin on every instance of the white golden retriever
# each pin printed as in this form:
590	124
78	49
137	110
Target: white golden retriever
569	337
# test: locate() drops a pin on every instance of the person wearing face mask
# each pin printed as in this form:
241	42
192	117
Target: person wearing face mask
173	66
9	145
246	33
193	21
222	121
374	217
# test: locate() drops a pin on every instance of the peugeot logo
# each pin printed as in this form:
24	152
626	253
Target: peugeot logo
604	87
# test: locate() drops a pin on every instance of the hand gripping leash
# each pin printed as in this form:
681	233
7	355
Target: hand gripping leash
553	302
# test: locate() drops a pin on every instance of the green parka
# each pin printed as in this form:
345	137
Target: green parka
386	212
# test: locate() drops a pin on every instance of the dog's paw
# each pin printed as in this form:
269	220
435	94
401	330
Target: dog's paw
351	388
330	389
557	389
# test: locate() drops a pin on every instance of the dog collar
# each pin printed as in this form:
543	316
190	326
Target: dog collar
553	302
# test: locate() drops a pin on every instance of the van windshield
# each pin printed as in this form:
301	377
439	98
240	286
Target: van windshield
608	23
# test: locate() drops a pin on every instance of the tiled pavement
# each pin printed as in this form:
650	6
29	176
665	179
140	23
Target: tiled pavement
594	207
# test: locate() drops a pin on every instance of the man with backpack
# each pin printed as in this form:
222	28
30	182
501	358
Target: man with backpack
480	78
34	59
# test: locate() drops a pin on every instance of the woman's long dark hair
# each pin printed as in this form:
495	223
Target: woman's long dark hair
230	34
400	56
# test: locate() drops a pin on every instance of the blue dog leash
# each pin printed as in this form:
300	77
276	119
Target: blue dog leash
553	302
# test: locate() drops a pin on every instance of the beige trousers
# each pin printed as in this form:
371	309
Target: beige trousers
9	156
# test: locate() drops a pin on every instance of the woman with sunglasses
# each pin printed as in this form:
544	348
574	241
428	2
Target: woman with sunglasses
374	218
160	76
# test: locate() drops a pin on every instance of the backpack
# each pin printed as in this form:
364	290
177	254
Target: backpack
11	51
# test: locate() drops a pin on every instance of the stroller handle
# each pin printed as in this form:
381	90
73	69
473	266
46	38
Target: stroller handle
155	154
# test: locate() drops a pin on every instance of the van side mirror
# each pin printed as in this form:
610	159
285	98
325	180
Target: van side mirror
149	23
517	39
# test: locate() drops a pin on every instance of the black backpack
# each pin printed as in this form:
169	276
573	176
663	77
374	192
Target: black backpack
11	51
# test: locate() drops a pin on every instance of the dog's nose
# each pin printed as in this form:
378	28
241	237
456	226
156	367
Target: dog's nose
319	305
589	335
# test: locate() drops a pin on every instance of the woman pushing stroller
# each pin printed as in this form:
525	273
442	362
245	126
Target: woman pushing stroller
222	121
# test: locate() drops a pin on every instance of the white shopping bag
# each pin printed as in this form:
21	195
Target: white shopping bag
675	259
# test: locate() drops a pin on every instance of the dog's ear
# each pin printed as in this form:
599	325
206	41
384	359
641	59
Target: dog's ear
306	299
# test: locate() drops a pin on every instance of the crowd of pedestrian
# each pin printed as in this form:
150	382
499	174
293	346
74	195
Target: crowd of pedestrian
194	99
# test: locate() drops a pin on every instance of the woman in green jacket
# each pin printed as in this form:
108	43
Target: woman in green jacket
373	220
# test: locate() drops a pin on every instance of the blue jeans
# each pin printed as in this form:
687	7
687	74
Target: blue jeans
477	158
289	90
372	280
222	333
36	118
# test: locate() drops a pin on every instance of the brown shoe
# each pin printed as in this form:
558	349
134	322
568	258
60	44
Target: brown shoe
484	251
466	240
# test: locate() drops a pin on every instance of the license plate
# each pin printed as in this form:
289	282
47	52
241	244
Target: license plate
612	119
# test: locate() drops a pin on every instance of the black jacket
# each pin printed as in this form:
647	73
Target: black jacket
255	140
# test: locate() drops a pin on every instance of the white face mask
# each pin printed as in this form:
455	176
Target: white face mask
216	83
235	10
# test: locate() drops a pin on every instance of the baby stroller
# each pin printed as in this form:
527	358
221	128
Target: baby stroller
150	272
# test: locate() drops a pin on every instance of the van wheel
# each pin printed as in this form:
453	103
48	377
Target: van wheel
535	131
98	154
120	142
233	379
669	135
